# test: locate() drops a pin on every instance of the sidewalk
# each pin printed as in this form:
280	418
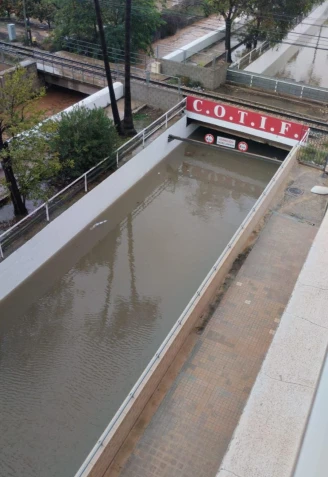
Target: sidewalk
192	427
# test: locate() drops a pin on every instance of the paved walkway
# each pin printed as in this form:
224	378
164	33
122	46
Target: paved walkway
191	430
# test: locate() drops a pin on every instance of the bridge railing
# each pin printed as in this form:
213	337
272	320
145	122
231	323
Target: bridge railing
249	57
290	88
23	230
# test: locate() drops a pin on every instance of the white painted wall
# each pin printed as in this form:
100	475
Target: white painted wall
200	44
239	128
34	253
274	59
269	434
100	99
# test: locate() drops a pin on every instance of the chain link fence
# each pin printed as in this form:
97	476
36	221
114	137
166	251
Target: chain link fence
315	151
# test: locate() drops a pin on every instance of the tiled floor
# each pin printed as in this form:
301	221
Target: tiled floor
190	432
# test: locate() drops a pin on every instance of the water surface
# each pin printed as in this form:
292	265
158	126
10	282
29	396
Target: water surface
77	335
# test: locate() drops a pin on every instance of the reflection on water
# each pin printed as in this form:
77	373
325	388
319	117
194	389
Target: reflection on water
309	64
75	338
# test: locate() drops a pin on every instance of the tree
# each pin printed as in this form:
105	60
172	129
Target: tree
75	19
6	7
116	116
229	10
84	138
45	10
34	164
271	20
17	114
128	117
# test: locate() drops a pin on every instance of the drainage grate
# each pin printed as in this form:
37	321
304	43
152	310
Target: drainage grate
294	191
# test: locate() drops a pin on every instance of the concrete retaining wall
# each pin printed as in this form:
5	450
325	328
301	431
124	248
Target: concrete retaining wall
21	264
31	68
268	437
274	59
211	78
196	46
101	456
68	83
158	97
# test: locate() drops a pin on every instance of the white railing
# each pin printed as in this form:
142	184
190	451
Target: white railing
139	139
250	56
183	316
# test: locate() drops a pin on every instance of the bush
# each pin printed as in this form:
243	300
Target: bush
84	138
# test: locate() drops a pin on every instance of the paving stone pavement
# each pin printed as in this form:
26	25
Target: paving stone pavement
190	432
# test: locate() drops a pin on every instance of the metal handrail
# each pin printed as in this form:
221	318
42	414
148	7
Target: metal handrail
184	314
133	142
260	49
276	80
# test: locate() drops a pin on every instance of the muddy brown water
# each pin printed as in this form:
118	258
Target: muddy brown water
77	335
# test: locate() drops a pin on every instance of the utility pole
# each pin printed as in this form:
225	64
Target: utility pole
25	22
116	116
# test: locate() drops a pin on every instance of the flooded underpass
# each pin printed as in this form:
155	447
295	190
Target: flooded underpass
77	335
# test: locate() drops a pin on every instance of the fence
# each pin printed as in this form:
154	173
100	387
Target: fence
92	74
291	88
250	56
33	222
314	152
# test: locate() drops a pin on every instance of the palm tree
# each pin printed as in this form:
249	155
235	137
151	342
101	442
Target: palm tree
128	118
116	116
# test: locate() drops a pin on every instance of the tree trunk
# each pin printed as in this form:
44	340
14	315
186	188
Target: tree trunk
15	195
257	31
128	118
228	40
116	115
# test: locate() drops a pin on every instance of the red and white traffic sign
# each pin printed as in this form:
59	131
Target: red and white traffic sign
242	146
209	138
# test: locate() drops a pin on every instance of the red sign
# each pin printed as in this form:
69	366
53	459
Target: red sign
242	146
247	119
209	138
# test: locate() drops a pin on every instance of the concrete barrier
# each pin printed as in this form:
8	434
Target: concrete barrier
196	46
269	434
275	58
100	99
116	432
200	44
22	263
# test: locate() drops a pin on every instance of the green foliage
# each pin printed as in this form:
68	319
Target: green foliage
17	103
314	154
84	138
33	163
77	20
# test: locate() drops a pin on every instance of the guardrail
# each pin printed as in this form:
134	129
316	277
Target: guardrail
85	72
291	88
55	205
250	56
183	316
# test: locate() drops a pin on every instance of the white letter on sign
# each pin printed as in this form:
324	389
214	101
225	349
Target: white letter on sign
263	121
242	116
219	111
196	103
284	127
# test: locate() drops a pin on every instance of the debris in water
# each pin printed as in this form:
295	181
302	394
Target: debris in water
320	190
98	223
